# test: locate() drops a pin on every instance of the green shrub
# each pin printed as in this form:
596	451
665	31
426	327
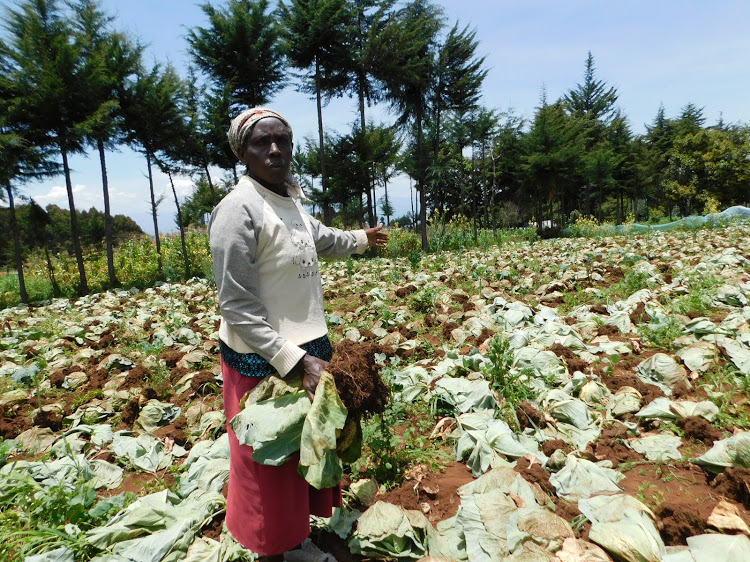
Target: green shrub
402	243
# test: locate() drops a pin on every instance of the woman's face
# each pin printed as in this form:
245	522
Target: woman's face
268	151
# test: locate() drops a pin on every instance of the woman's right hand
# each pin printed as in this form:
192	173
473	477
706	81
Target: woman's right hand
312	369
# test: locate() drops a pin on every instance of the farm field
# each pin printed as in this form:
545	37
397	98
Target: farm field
572	399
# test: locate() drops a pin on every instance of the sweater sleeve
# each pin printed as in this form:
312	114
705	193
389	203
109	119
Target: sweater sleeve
233	238
334	243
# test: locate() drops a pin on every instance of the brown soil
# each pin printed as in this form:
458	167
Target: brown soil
569	511
171	358
534	473
573	362
608	330
648	391
171	432
130	411
699	429
135	377
448	327
51	419
615	451
204	383
435	494
529	416
405	291
357	377
680	495
57	378
97	378
680	521
734	484
639	315
549	447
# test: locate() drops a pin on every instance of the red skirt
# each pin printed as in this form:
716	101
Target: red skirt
268	507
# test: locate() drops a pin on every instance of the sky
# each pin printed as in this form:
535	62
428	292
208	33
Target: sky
654	52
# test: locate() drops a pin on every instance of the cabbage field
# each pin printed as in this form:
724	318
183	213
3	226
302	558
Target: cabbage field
576	399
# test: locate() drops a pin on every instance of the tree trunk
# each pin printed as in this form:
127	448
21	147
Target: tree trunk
182	228
108	234
370	208
154	205
421	182
84	288
327	211
210	185
51	272
17	246
387	205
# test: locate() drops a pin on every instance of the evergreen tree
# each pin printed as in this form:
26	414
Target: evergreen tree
240	51
315	41
112	57
153	108
458	78
592	99
553	148
593	104
409	78
367	52
51	74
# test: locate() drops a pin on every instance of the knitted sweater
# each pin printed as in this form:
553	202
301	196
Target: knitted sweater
265	251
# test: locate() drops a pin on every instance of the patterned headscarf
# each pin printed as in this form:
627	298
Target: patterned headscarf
243	124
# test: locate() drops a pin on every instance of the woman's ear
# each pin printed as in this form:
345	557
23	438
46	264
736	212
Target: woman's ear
241	154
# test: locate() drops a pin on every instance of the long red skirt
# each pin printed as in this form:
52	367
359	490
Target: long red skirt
268	507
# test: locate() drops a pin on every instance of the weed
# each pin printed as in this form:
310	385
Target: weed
661	333
503	380
388	455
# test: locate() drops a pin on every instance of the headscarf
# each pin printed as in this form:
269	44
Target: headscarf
241	127
243	124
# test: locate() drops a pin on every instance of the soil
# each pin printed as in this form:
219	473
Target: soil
734	484
434	495
529	416
402	292
357	377
699	429
549	447
573	362
534	473
639	315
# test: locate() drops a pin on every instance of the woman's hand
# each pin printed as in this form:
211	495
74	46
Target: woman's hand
312	368
375	237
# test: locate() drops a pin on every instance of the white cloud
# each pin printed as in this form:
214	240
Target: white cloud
183	186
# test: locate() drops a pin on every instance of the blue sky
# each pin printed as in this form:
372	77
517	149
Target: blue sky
670	52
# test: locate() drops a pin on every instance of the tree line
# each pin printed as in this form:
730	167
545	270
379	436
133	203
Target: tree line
71	83
47	230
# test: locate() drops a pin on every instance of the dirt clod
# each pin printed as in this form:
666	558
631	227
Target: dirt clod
699	429
680	521
529	416
357	377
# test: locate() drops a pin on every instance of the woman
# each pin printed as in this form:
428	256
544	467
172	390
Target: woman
265	250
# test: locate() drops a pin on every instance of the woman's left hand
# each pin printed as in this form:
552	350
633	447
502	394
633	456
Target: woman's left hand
376	238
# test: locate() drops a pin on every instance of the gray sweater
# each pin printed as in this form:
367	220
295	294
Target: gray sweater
265	251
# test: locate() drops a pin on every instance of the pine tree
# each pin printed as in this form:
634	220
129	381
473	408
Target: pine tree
50	70
153	107
315	41
111	57
412	33
240	51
